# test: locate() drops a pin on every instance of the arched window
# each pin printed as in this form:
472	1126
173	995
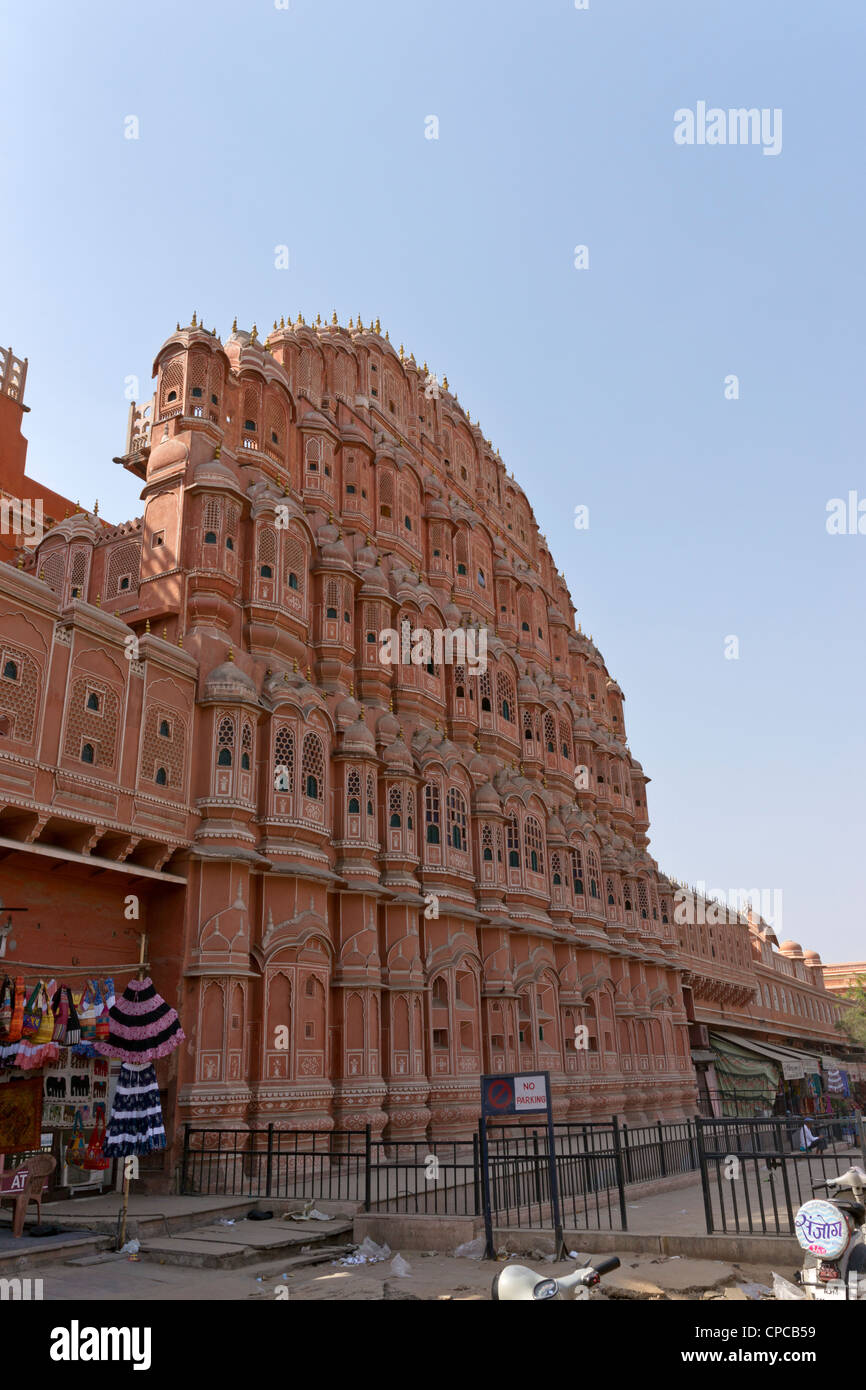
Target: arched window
395	807
313	768
555	869
210	538
371	794
431	813
10	671
577	872
161	778
456	819
293	580
92	700
87	753
225	742
353	792
513	843
534	843
594	873
485	691
284	760
505	692
246	747
164	729
549	733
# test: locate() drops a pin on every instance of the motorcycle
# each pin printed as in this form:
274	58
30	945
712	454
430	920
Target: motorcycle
833	1235
517	1282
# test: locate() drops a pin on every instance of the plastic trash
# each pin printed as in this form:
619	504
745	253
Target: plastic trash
755	1290
783	1289
400	1267
367	1253
471	1249
131	1247
309	1213
225	1221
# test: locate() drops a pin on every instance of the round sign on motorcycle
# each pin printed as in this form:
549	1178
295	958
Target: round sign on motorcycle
822	1229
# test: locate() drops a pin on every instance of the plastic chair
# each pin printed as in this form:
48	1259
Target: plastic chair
39	1167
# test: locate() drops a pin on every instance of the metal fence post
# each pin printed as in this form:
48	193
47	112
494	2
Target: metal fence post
368	1166
183	1160
705	1182
662	1149
620	1182
270	1163
476	1175
862	1130
629	1174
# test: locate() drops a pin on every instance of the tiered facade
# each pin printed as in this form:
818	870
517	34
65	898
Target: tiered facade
203	741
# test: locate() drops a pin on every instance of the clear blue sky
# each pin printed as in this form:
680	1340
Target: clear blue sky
603	387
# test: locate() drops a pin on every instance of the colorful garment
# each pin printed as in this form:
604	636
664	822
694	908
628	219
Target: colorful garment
143	1026
136	1124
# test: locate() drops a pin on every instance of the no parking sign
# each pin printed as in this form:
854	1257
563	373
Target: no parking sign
514	1094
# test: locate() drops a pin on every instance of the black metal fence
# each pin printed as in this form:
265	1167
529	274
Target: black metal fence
756	1173
753	1172
590	1176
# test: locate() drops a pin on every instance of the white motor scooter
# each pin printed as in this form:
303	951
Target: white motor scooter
518	1282
833	1235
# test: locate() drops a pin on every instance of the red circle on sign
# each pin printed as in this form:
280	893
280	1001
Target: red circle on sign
500	1095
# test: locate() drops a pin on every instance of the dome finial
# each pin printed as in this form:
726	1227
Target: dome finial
235	324
231	655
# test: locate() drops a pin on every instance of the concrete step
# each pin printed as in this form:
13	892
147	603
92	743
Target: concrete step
247	1242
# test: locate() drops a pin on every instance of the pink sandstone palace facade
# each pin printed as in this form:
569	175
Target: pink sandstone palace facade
201	741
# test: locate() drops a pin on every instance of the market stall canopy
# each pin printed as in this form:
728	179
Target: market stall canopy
743	1069
794	1064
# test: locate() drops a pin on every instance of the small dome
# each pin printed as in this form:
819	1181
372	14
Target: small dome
791	948
347	711
168	452
388	727
212	470
397	754
357	738
486	797
229	682
812	958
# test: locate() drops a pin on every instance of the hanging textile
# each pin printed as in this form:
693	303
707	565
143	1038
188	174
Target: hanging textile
37	1048
21	1115
135	1125
142	1025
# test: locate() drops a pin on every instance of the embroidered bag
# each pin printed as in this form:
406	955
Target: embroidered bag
102	1020
45	1032
6	993
32	1016
19	993
94	1156
76	1149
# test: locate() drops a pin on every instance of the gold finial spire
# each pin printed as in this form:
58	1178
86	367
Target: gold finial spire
282	321
254	333
194	320
387	336
334	318
445	384
164	632
180	640
218	450
391	704
378	326
401	352
21	562
274	329
294	664
147	625
231	655
351	323
351	690
309	674
177	326
477	745
99	600
318	320
235	324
